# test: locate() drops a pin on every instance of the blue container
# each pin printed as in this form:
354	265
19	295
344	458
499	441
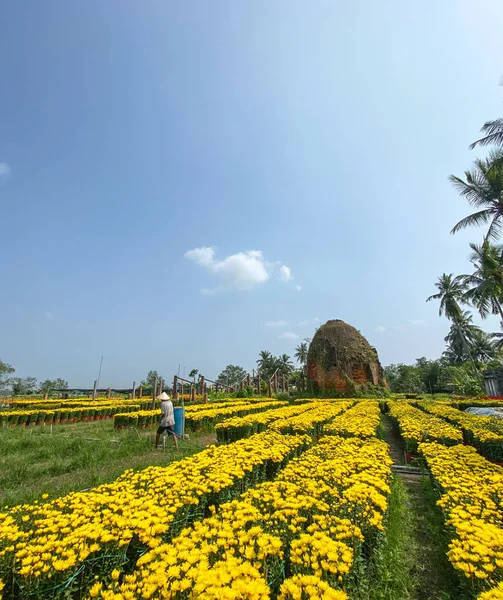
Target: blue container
179	421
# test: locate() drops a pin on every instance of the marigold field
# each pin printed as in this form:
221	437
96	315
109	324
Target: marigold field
290	500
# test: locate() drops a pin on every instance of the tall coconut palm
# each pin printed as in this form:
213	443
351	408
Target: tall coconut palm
494	134
450	293
266	364
284	364
485	284
483	189
461	339
301	353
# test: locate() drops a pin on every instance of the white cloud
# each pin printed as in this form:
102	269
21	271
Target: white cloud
241	271
280	323
288	335
5	172
284	273
202	256
380	329
298	288
49	315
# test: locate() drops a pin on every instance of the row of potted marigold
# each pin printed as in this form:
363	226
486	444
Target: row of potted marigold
24	418
471	497
417	426
196	417
54	549
485	433
297	536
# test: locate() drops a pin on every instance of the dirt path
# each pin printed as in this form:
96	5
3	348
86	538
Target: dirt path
432	576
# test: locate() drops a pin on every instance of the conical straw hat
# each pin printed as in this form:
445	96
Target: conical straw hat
163	396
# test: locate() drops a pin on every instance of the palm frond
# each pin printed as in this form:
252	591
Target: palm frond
494	134
493	233
477	219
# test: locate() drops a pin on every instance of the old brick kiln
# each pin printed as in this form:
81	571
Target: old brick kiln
340	358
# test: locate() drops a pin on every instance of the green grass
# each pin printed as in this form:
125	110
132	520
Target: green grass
78	456
395	561
408	561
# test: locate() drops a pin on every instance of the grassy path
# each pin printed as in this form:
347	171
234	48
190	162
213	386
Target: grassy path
414	564
77	457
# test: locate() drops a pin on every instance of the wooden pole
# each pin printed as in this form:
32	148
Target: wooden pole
269	391
248	380
94	389
109	393
276	382
175	387
201	383
282	382
140	391
193	393
134	388
258	384
154	389
241	385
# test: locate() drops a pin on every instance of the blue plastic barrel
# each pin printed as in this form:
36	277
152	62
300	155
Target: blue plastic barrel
179	421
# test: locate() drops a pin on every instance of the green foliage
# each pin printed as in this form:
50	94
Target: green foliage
460	380
23	385
149	380
193	374
268	364
404	378
5	371
232	375
52	384
434	377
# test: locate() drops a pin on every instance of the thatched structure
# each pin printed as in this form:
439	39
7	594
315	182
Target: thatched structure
340	357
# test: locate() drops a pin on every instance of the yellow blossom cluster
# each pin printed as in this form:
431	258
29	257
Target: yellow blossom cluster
485	433
309	587
319	508
47	543
313	421
236	428
472	499
417	426
362	420
495	593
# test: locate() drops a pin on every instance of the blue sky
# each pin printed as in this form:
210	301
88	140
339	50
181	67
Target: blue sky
286	144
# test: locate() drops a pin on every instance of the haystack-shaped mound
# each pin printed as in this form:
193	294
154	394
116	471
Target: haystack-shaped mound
340	357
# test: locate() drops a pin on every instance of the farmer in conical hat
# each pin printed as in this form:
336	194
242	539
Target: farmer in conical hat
167	419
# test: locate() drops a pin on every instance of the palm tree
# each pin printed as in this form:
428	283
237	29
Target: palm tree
483	189
450	293
266	364
461	339
284	364
494	134
301	353
485	284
